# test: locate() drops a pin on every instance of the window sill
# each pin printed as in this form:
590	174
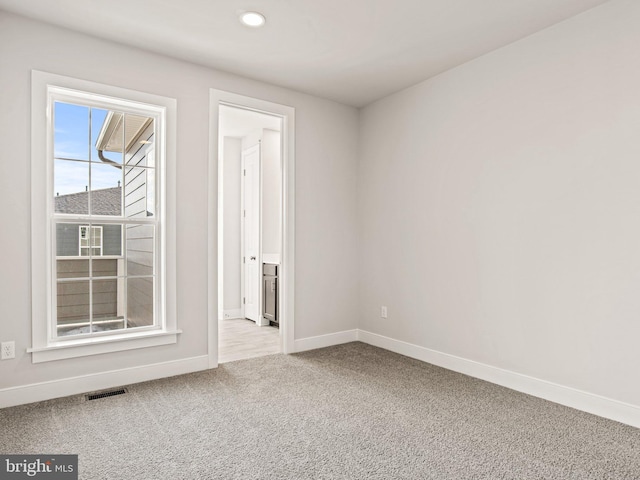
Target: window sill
98	345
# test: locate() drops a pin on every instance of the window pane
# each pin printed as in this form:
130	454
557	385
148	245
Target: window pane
106	192
139	192
96	237
71	183
106	136
139	302
112	240
140	245
67	239
84	239
72	268
71	131
107	313
73	240
72	307
105	267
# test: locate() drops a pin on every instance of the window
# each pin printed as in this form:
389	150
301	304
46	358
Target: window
90	240
102	170
103	213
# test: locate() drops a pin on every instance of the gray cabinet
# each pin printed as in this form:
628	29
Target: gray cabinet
270	293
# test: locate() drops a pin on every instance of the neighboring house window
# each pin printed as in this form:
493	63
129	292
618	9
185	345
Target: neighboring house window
90	240
104	204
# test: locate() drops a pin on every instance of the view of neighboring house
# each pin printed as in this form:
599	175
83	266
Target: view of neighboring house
101	257
106	201
74	243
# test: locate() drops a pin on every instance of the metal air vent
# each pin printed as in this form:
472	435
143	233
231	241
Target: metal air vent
105	394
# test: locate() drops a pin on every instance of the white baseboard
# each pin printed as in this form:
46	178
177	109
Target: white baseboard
580	400
229	314
37	392
321	341
570	397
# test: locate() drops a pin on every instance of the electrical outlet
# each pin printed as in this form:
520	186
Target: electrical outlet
8	350
383	312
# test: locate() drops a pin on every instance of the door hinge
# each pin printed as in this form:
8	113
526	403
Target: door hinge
244	300
244	213
244	172
244	259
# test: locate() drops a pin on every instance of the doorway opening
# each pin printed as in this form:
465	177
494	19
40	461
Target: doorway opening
254	311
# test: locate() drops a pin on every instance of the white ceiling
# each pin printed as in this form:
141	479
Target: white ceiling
352	51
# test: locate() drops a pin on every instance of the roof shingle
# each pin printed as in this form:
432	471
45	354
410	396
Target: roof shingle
107	201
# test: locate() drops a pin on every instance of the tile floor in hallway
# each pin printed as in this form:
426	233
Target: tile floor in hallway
239	338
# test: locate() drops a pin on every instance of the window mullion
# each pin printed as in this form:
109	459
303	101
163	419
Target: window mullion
125	300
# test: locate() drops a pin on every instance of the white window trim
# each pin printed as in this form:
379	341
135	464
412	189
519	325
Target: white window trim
43	347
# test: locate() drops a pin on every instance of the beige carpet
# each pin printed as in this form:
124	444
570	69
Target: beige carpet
346	412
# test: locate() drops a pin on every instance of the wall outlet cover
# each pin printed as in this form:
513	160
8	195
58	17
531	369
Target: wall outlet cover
8	350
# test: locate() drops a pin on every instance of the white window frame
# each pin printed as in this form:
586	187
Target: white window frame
45	345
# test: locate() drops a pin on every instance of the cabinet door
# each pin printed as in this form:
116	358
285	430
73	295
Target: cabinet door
270	296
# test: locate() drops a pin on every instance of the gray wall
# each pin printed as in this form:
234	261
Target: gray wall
499	207
326	160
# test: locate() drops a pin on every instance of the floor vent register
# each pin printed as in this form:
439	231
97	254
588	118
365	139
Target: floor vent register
105	394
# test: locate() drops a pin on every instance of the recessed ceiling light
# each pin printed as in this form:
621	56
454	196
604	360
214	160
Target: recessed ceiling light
252	19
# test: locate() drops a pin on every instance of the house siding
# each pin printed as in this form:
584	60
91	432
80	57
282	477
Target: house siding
67	240
136	180
73	298
140	239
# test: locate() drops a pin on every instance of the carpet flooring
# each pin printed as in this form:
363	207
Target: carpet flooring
347	412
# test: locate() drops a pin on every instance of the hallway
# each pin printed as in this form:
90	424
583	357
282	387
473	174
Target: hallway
239	338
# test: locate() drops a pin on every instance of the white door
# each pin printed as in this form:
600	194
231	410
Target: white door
251	217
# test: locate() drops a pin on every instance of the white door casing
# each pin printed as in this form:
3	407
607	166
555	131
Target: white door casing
251	222
286	273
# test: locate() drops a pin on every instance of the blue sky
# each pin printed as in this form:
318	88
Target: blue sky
74	140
